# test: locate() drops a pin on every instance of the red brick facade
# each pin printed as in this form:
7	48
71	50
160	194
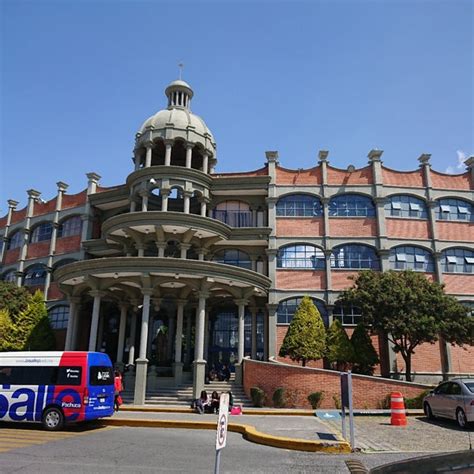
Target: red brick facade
368	392
299	227
463	231
408	179
352	227
344	177
458	284
300	279
295	177
407	228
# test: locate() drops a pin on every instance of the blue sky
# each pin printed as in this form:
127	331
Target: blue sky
79	77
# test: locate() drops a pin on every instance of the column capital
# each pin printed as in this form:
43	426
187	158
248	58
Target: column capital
181	302
62	187
12	203
271	252
165	192
375	154
98	293
168	142
272	307
272	156
241	302
147	291
424	159
33	194
380	200
74	299
93	177
324	200
323	155
327	253
383	252
271	200
470	162
143	192
188	145
148	144
203	294
188	194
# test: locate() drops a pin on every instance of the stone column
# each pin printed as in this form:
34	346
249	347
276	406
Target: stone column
168	145
203	207
11	207
184	250
144	194
199	362
164	199
206	336
189	155
97	295
187	200
188	338
100	333
205	162
133	333
171	336
327	263
253	352
73	301
178	344
161	248
148	156
240	352
142	361
272	325
121	335
265	335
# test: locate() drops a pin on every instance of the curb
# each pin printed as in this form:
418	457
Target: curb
247	411
249	432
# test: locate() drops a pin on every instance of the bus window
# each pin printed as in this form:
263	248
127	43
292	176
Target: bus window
101	375
69	376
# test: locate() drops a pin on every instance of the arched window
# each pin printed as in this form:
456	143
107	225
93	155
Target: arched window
173	249
413	258
42	232
300	256
470	307
233	213
15	240
233	257
299	205
351	205
58	317
287	308
354	256
35	275
348	315
406	206
176	200
454	210
70	226
9	276
457	261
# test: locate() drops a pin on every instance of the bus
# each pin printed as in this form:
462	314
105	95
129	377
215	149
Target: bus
54	388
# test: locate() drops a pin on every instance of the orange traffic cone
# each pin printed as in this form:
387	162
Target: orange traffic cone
397	407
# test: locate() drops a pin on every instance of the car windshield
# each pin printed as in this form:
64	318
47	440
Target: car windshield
470	386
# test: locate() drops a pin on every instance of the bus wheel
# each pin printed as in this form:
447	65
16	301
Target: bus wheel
53	419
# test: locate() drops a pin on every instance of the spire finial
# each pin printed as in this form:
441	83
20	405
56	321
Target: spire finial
180	66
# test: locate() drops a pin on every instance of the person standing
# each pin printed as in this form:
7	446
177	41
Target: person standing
118	388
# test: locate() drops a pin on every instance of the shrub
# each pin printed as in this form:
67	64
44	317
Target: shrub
416	402
279	398
337	402
384	404
315	399
258	396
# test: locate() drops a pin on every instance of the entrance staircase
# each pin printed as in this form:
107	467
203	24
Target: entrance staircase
182	395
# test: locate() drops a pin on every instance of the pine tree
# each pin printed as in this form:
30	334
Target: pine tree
365	355
305	339
5	330
339	347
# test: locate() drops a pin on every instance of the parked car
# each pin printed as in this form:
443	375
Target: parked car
453	400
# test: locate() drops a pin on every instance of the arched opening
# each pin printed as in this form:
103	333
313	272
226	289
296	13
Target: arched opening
158	154
70	226
172	249
35	275
195	203
154	200
196	160
176	200
235	257
234	213
178	153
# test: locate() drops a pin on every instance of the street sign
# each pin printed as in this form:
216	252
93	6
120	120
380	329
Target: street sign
222	421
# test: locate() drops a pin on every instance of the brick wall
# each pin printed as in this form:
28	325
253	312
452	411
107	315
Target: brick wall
449	181
340	279
68	244
427	358
352	227
310	176
11	256
462	359
18	216
344	177
54	293
44	208
407	228
400	178
38	249
299	227
456	283
454	231
300	279
368	392
74	200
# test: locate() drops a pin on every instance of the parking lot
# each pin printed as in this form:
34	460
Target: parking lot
374	433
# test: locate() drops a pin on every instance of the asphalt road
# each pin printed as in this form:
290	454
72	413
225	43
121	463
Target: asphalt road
144	450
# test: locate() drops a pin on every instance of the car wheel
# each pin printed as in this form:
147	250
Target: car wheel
53	419
461	418
428	412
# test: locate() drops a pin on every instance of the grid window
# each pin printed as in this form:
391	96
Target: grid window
457	261
35	276
71	226
406	206
16	240
348	315
454	210
9	276
300	256
351	205
42	232
233	213
299	205
413	258
233	257
58	317
286	309
354	256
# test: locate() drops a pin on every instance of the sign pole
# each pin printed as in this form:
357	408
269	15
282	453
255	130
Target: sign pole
222	423
351	412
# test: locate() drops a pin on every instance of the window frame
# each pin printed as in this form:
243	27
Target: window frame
309	260
351	205
41	232
414	258
373	259
449	209
455	260
299	205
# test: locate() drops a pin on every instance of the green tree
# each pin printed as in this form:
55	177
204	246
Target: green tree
13	298
365	355
5	330
339	348
305	339
410	310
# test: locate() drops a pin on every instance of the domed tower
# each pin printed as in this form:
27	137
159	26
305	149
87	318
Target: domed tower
175	136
